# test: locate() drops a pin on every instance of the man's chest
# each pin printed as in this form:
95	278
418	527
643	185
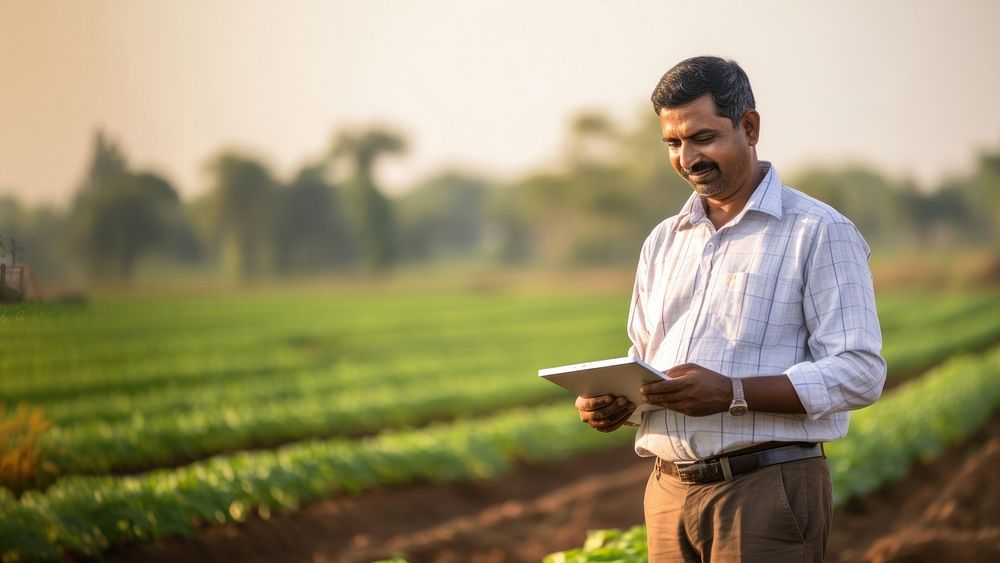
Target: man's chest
731	284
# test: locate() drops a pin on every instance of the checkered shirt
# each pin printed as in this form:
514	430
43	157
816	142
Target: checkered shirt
783	288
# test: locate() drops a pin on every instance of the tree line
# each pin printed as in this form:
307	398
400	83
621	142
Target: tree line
591	206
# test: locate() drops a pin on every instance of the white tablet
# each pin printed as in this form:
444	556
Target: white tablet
619	376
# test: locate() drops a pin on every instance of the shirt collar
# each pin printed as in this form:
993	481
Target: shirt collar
766	198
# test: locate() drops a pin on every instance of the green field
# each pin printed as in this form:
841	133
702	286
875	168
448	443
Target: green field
171	413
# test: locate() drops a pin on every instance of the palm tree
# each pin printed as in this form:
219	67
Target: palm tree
242	191
375	219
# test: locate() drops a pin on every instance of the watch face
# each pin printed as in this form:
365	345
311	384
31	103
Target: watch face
738	410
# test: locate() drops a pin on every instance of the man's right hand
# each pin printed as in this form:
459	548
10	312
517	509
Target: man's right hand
604	413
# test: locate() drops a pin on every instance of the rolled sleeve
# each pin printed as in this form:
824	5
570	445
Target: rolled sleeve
846	370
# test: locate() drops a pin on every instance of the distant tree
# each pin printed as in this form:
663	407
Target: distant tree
962	209
593	209
4	291
939	218
126	219
118	215
983	195
311	231
594	139
374	215
107	164
242	195
512	239
443	217
643	156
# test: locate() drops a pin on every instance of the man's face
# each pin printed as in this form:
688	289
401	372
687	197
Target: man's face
705	149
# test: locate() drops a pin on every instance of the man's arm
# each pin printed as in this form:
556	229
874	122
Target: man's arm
771	393
697	391
846	370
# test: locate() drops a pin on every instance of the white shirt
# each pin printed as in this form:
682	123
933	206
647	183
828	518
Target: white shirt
783	288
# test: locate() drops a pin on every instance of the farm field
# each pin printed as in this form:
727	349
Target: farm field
190	416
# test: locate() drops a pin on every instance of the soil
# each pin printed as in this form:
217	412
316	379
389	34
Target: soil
945	510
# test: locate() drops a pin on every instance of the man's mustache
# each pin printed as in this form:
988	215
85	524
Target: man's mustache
699	167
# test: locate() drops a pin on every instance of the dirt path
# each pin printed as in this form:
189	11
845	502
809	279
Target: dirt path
946	510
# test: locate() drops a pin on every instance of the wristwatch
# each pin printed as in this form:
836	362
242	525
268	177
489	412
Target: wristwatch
739	405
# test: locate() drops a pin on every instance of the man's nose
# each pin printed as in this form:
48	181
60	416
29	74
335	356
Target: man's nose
689	156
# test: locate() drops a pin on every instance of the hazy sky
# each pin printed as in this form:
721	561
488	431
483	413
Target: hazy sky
909	86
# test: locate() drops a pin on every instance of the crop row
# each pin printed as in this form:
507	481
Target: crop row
900	310
85	357
345	371
921	343
914	422
142	443
87	515
147	327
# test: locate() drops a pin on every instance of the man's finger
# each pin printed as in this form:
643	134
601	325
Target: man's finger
593	403
613	409
608	414
683	370
668	386
630	408
607	425
660	398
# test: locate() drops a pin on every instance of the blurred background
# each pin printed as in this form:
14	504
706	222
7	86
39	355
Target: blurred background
155	141
290	268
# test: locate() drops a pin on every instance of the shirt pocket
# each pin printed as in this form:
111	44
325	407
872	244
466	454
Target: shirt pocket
755	306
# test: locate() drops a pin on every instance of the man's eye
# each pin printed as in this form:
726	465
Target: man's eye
703	140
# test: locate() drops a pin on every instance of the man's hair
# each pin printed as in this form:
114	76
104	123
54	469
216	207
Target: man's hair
692	78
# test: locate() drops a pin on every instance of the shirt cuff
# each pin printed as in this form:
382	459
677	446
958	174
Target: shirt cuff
807	379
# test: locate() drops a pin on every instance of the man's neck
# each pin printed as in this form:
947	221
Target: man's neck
722	210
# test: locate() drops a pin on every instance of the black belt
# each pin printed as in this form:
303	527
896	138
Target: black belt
725	467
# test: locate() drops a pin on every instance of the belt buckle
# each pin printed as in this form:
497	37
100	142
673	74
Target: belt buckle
691	472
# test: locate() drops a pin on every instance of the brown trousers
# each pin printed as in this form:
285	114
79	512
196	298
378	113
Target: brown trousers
774	514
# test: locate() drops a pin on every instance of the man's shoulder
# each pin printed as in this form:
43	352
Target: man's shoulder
800	206
818	220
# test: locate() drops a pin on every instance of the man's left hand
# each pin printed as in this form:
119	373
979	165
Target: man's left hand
692	390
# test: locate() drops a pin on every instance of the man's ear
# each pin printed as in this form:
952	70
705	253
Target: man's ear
750	124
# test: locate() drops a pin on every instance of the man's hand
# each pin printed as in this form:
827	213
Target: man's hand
691	390
604	413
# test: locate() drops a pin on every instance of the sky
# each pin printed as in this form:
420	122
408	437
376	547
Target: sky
907	86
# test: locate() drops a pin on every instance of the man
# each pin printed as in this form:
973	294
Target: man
756	301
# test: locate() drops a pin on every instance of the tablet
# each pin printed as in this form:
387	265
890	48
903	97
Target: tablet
618	376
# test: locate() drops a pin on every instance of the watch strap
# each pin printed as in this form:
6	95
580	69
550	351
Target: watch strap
738	407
